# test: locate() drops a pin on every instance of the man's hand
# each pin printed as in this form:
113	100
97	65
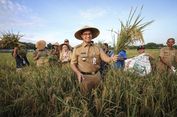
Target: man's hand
80	77
173	69
114	58
76	70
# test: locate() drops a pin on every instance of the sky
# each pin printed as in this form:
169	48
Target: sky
56	20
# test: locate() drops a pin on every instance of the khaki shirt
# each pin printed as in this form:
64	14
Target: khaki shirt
42	57
88	57
169	55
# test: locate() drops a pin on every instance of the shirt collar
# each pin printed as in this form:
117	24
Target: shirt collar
85	44
170	48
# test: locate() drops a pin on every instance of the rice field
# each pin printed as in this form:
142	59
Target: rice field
54	92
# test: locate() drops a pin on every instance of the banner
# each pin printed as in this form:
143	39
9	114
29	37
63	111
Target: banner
139	65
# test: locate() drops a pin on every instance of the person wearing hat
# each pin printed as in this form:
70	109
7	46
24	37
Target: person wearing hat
41	54
141	64
86	58
141	49
66	41
54	54
104	66
168	58
141	52
65	55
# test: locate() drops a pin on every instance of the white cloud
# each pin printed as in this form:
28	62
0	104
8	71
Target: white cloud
9	7
106	36
93	13
16	15
49	37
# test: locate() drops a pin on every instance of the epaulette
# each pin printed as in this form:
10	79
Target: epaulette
78	46
98	47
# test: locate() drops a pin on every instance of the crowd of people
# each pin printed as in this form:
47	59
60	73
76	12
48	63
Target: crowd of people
89	61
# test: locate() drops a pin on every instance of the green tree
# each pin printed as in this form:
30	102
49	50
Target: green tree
151	45
29	45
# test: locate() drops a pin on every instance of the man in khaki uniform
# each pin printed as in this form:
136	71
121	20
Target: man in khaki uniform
168	57
86	58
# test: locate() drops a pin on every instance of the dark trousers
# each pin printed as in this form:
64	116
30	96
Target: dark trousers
90	82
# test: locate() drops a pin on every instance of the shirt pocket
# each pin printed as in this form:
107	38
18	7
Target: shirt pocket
173	53
83	57
166	53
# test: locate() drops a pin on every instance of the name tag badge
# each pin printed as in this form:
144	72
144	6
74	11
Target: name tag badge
83	59
94	61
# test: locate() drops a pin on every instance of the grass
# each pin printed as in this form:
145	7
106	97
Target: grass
54	92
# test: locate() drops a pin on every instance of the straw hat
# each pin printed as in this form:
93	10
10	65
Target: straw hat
95	32
40	44
56	44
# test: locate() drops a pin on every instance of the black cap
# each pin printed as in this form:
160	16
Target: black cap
66	40
140	47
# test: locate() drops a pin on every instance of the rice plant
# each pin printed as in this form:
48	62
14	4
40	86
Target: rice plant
54	92
131	31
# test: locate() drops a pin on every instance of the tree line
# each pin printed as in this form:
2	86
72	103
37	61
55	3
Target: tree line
10	39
